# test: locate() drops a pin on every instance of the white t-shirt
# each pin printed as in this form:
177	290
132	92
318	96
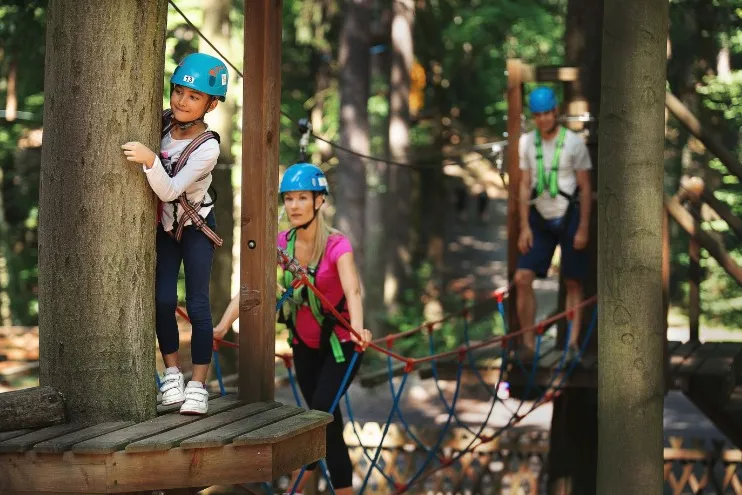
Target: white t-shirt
574	157
201	162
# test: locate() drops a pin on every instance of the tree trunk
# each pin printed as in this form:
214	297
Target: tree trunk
217	29
97	212
400	180
4	257
354	59
377	200
630	354
573	441
33	407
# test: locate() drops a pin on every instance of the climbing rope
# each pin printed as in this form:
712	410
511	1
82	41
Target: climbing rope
463	355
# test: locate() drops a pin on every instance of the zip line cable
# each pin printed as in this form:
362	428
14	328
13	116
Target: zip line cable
417	165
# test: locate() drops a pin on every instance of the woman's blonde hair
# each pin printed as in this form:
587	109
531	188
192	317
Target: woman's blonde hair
323	233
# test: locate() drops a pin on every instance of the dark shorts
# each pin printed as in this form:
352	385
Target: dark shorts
546	235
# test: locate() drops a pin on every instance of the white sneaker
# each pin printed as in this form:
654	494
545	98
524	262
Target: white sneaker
196	399
172	388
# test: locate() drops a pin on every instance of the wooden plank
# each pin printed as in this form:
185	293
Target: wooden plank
176	407
225	434
557	74
26	442
681	353
717	375
5	435
119	439
173	438
62	443
261	91
293	453
285	429
31	408
179	468
691	364
32	472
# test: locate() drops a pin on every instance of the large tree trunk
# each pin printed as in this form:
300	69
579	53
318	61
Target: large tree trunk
217	29
97	213
399	204
573	441
377	198
354	58
630	357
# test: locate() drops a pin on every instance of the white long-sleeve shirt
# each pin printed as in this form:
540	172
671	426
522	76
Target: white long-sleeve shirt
200	164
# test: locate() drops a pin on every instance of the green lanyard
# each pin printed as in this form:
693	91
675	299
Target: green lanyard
554	172
315	305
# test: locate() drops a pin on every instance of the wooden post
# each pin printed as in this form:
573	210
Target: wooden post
710	140
666	254
261	96
515	109
694	275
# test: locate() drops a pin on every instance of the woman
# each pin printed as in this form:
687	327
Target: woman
322	348
180	176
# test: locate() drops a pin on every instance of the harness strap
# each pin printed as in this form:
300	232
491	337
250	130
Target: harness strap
190	210
554	170
326	319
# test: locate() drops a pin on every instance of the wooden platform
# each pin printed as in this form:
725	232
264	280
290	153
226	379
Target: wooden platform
714	368
234	443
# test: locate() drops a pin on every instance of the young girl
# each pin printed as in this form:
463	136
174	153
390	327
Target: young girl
322	348
180	176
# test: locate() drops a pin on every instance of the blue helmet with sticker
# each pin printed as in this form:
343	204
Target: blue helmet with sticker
204	73
542	99
304	177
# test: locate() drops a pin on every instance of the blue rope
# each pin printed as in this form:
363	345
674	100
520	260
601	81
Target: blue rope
157	381
437	445
298	479
294	388
285	297
473	364
344	382
352	420
436	379
386	430
326	473
218	371
406	425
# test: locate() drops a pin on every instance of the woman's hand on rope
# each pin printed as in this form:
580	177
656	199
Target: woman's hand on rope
365	337
220	331
525	240
138	153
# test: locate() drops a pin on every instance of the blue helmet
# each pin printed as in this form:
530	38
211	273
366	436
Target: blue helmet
204	73
542	99
304	177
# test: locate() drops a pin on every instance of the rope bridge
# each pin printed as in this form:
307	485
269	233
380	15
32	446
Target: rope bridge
435	460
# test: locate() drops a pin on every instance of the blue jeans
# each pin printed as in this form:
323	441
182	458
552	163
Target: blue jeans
196	252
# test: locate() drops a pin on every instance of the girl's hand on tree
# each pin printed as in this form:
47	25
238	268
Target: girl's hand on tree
139	153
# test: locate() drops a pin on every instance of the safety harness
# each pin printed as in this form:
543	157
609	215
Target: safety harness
304	296
190	210
553	177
